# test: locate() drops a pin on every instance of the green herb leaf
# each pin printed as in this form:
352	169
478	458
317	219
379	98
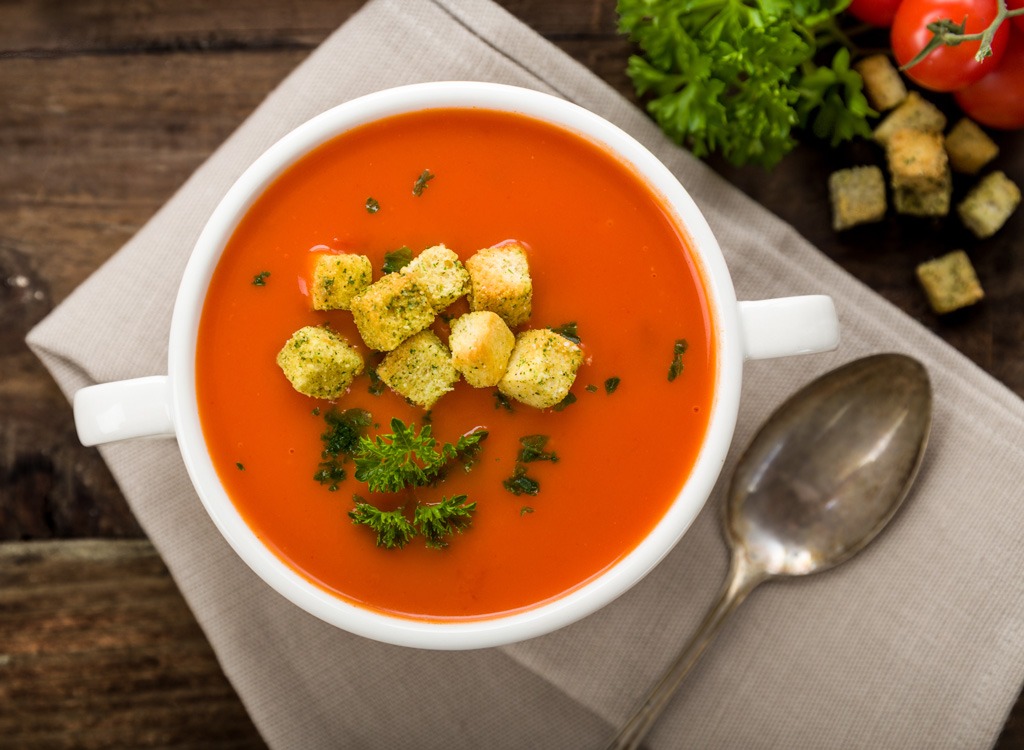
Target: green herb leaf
591	388
678	350
520	484
568	330
239	466
438	521
392	527
372	206
260	279
396	260
344	429
377	386
421	182
569	400
610	385
533	450
501	401
525	509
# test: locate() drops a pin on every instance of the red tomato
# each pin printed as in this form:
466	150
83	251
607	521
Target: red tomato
876	12
1016	5
997	100
945	68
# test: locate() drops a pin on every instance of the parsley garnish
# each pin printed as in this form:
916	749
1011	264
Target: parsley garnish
437	521
568	330
392	527
610	385
396	260
316	411
591	388
372	206
525	509
403	458
340	440
678	350
533	450
421	182
569	400
520	484
501	401
240	466
260	279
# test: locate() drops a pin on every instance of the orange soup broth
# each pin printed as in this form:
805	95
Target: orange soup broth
604	252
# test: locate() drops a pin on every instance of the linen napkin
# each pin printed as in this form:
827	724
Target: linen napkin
916	643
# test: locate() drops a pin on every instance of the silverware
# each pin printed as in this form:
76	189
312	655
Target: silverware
824	475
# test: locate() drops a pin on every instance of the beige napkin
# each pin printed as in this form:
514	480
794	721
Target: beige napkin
917	643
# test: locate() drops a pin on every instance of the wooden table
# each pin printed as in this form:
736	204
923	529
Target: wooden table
105	109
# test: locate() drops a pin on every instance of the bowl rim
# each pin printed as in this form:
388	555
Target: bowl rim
546	616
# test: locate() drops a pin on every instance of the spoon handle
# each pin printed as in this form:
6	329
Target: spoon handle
741	581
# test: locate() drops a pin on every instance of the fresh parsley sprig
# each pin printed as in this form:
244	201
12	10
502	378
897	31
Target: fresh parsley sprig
435	521
737	77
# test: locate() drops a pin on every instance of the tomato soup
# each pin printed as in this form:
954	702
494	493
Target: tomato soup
604	253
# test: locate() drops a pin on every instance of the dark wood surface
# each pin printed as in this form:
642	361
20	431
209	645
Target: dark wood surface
105	109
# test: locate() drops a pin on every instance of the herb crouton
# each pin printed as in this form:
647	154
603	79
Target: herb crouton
541	369
915	113
420	369
969	148
500	282
481	344
950	282
337	279
989	204
857	195
391	310
440	274
882	83
919	169
319	363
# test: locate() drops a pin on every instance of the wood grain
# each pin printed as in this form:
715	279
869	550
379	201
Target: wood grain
105	109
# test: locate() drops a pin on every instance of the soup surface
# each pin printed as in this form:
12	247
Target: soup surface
604	253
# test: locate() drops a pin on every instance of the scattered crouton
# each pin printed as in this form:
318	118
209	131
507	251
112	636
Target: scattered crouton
933	202
541	369
337	279
391	310
319	362
857	195
882	83
969	148
420	369
917	160
989	204
950	282
500	282
481	344
915	113
440	274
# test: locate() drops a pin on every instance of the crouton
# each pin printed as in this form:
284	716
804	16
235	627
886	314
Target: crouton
319	362
914	113
857	195
989	204
339	278
969	148
481	344
420	369
541	369
950	282
500	282
440	274
391	310
931	202
882	83
917	160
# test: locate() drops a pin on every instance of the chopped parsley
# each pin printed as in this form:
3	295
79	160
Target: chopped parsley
434	521
569	400
520	484
377	385
372	205
611	384
501	401
316	411
340	440
591	388
396	260
676	368
525	509
533	450
421	182
240	466
260	279
568	330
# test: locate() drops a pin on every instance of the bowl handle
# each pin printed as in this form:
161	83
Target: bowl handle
124	409
789	325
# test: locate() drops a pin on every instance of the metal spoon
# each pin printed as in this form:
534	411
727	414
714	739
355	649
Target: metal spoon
823	476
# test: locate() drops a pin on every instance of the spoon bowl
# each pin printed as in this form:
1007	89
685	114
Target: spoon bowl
826	473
